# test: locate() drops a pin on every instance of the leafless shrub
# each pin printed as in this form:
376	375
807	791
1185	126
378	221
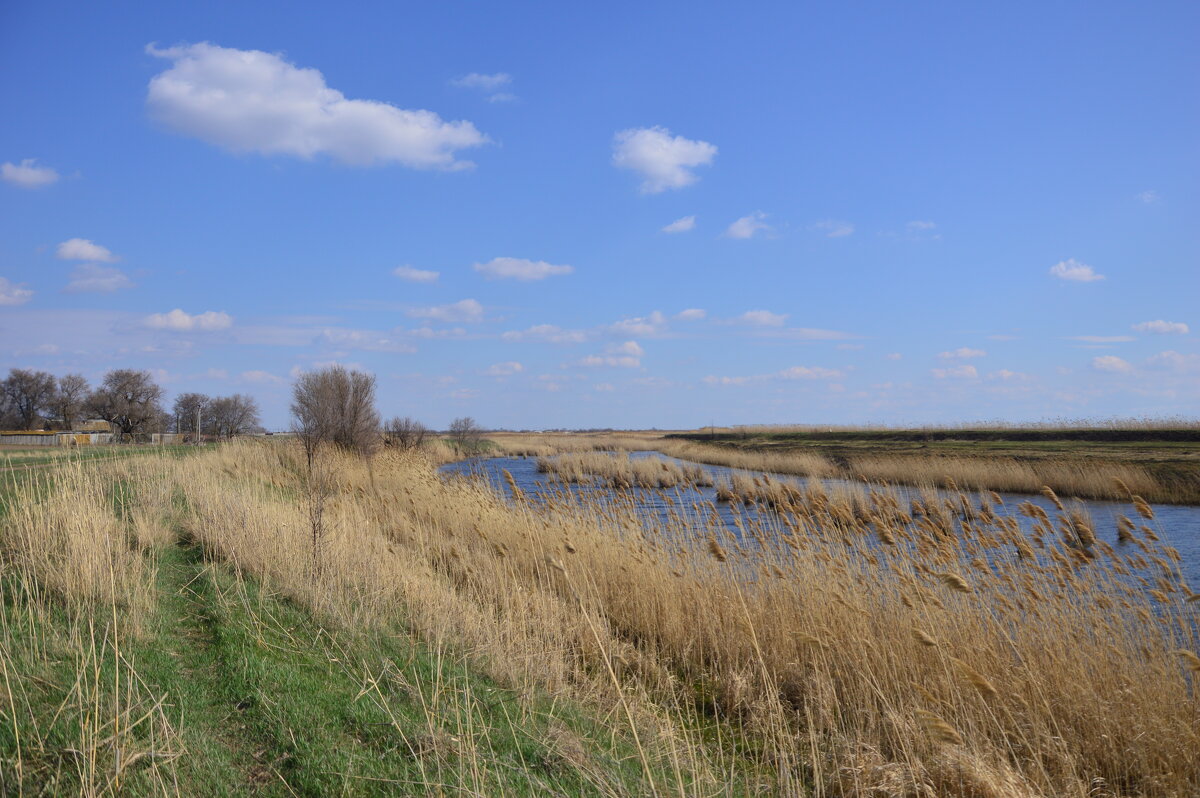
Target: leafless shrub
336	405
465	434
404	433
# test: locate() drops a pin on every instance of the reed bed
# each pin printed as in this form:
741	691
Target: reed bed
848	643
620	471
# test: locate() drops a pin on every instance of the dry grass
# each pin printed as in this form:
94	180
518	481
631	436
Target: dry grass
859	645
621	471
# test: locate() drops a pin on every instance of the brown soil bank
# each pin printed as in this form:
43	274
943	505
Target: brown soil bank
1161	465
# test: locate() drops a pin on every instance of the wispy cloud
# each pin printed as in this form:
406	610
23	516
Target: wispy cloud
14	293
1074	271
964	372
641	326
545	333
1102	339
664	161
467	311
681	225
94	278
748	226
793	373
624	355
962	353
762	318
415	275
834	228
1148	197
520	269
1161	327
478	80
27	174
505	369
691	314
1111	364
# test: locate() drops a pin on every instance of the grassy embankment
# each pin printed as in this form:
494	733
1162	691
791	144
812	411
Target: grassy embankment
224	621
1162	465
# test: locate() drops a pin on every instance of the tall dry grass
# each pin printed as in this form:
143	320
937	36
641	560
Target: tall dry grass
868	647
852	643
621	471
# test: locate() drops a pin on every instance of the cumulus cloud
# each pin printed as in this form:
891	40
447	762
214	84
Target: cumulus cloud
415	275
681	225
545	333
691	314
465	310
1075	271
833	228
520	269
27	174
505	369
1162	327
763	318
663	160
183	322
643	326
14	293
83	249
962	353
748	226
1111	363
966	372
94	278
476	80
252	101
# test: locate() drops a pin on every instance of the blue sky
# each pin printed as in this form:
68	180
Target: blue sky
623	214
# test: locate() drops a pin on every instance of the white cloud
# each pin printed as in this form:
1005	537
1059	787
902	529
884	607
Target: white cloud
894	356
94	278
364	340
505	369
748	226
14	293
415	275
623	355
1176	361
178	320
605	387
1075	271
920	227
27	174
429	332
793	373
833	228
252	101
1148	197
962	353
691	314
1004	375
665	161
967	372
263	377
1162	327
502	97
466	310
654	324
476	80
681	225
520	269
1102	339
763	318
1111	363
547	333
83	249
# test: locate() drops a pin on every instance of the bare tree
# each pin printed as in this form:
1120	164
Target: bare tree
186	408
233	415
29	395
404	433
465	433
128	399
336	405
68	401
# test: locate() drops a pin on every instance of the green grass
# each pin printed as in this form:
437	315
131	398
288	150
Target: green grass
224	687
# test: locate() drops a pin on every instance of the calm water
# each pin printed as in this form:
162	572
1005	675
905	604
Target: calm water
1176	525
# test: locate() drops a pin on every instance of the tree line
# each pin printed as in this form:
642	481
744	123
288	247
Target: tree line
128	399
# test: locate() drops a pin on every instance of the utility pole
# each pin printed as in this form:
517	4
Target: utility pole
197	423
